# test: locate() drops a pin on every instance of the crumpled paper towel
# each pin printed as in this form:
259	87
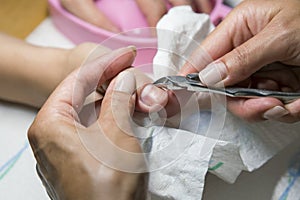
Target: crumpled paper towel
179	33
225	152
288	186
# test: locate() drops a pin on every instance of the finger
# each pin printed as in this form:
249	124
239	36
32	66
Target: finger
204	6
70	95
196	62
184	3
180	2
89	113
168	103
240	63
284	78
88	11
151	98
207	52
241	49
177	99
110	139
226	35
294	112
153	10
117	108
256	109
264	83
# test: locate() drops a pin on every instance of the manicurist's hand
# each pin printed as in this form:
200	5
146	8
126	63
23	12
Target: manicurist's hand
255	34
88	152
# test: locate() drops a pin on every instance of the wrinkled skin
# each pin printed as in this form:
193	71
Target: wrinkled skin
66	167
255	34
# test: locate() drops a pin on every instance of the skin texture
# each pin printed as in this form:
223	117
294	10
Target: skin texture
25	67
65	166
152	9
255	34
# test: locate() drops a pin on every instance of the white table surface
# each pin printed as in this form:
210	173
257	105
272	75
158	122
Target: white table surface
22	182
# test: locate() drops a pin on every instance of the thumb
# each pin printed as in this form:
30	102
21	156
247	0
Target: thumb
114	144
118	104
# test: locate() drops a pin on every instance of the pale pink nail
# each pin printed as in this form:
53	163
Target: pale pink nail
152	95
275	112
213	73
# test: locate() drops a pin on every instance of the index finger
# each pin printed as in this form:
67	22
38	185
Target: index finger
69	96
208	51
239	43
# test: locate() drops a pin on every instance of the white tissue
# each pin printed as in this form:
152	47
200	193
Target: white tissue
179	159
174	180
180	31
288	186
225	152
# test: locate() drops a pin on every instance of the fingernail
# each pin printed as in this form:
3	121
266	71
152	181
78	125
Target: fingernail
133	48
213	73
152	95
125	82
130	48
275	113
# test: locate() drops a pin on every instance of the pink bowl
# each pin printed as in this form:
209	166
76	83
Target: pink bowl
126	15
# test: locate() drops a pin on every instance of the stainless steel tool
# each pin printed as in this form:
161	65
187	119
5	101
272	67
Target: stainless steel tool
192	82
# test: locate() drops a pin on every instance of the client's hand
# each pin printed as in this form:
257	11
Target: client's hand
88	11
96	160
153	10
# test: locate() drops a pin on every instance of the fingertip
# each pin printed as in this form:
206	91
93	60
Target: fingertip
213	74
124	51
133	49
151	98
125	82
275	113
294	108
252	110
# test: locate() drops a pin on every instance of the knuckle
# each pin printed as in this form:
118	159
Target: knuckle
39	130
241	59
35	129
285	41
32	133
